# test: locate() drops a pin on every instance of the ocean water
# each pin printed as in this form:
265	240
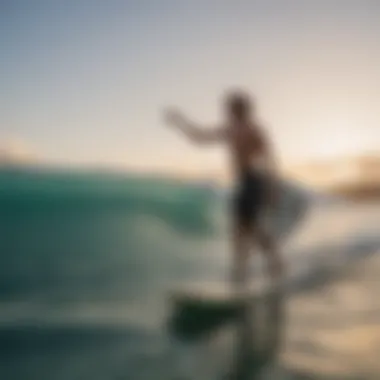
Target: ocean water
87	260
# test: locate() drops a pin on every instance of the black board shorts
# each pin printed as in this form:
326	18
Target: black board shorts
249	198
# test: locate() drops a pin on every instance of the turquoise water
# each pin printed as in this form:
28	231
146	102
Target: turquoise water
70	231
87	260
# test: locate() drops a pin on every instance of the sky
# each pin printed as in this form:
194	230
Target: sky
84	82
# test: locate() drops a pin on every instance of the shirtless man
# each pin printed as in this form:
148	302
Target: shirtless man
254	169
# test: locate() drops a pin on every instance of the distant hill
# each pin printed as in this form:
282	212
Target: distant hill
352	177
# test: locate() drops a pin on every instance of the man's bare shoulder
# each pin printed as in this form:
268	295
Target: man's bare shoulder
225	130
257	127
258	130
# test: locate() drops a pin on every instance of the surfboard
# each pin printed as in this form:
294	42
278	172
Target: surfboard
290	210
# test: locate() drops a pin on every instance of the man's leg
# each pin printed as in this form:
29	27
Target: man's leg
242	245
271	252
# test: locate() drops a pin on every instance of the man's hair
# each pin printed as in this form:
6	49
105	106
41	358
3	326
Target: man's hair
238	103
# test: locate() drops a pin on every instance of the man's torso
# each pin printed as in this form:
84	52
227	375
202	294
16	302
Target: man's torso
245	145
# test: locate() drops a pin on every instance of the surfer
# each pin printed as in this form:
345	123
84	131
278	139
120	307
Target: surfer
255	172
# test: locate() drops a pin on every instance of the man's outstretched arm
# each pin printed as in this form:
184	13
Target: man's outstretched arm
193	131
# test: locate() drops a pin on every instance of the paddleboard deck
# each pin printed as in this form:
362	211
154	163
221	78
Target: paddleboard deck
198	310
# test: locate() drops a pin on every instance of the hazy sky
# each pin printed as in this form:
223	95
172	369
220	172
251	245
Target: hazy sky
83	81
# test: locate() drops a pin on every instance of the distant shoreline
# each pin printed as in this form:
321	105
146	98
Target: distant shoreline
356	178
360	192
